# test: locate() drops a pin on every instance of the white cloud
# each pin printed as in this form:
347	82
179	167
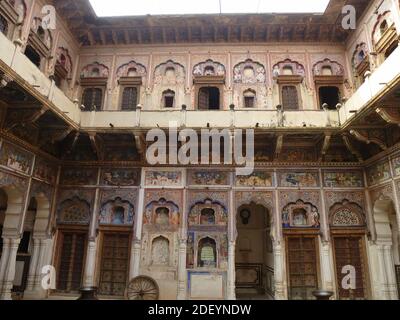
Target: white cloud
171	7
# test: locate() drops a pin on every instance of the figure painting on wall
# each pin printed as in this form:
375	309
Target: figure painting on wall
207	253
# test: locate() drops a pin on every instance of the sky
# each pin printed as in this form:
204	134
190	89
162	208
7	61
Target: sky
108	8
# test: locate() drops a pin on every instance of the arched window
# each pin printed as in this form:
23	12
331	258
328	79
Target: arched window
129	98
168	99
209	71
327	71
160	251
41	33
248	72
95	73
170	72
249	98
207	216
92	99
118	216
3	25
132	72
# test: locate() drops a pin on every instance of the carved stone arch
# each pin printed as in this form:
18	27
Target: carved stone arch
220	211
297	68
300	214
382	210
258	74
117	212
209	68
123	70
161	73
346	214
15	206
42	217
74	211
95	70
336	67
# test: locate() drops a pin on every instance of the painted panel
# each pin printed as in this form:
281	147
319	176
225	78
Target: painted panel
298	179
378	173
343	179
16	158
256	179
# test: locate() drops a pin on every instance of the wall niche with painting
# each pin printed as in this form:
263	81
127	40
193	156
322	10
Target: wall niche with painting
207	247
160	243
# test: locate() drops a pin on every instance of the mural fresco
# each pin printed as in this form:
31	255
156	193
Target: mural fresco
15	158
256	179
163	178
78	176
343	179
45	171
117	212
208	178
298	179
120	177
396	166
378	173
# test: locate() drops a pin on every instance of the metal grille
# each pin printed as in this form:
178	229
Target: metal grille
129	98
290	98
92	99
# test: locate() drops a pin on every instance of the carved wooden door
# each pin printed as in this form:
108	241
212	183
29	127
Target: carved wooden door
349	252
114	264
204	98
71	262
302	266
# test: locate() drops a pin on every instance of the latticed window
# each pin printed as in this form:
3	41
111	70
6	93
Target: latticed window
290	98
92	99
71	261
129	98
169	98
3	25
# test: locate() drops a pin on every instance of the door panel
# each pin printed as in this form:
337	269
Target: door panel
114	264
302	267
349	251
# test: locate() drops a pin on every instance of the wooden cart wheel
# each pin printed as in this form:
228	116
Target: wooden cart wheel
142	288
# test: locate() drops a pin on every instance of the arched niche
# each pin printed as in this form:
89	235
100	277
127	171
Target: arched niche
207	253
160	251
346	214
383	22
161	213
249	72
209	68
131	69
327	64
95	70
116	212
74	211
300	215
289	67
64	63
213	209
169	73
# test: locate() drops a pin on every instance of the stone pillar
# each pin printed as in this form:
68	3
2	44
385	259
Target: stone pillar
231	294
32	269
9	269
88	280
383	294
326	266
4	260
136	247
280	290
391	275
182	270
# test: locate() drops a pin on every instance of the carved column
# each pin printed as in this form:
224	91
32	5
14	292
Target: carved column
279	253
383	294
326	266
232	235
33	268
9	272
182	275
391	275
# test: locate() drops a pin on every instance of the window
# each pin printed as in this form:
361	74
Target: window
3	25
168	99
327	71
290	98
391	49
71	261
114	264
129	98
41	33
162	216
207	217
249	99
33	55
92	99
329	95
209	98
287	71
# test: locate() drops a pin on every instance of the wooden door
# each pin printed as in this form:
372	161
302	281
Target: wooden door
349	250
114	264
72	250
302	266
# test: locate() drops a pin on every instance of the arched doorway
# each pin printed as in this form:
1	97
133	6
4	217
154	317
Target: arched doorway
348	231
254	255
